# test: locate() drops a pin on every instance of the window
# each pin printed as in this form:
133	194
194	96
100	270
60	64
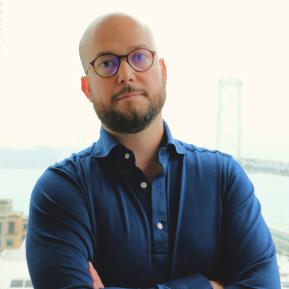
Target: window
9	242
15	283
11	227
28	284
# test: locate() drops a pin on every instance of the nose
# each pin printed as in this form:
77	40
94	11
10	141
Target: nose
125	73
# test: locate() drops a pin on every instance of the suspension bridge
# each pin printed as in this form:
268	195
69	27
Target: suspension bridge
229	139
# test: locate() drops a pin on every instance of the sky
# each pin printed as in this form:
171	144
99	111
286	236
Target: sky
202	42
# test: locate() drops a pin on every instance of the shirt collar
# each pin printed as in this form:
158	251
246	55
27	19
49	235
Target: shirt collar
107	143
104	145
172	142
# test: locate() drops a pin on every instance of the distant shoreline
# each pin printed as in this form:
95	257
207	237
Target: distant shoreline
37	158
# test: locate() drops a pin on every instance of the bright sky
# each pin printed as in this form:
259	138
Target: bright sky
201	41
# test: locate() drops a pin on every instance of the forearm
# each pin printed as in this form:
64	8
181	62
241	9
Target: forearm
248	252
196	281
59	242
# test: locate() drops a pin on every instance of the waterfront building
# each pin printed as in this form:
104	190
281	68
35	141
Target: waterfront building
13	226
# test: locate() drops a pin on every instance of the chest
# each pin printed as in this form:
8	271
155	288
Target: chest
173	223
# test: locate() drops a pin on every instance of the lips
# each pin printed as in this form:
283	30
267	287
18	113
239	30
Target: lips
128	95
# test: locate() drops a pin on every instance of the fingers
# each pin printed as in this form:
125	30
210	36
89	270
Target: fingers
216	285
96	281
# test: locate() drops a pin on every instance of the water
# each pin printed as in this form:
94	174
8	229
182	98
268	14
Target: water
273	194
17	184
272	191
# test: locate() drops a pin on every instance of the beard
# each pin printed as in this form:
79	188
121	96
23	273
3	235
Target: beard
133	120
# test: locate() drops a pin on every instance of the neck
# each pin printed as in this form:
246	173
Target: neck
144	145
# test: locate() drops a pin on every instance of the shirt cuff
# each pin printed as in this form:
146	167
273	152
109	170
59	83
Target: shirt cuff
196	281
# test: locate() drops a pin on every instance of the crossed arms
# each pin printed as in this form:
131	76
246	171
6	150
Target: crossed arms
97	283
60	242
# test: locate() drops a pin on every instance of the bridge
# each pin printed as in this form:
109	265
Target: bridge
265	166
281	240
229	130
229	138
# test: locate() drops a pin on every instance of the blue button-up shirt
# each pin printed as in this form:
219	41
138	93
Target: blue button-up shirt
198	220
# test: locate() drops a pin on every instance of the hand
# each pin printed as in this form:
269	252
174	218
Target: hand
216	285
96	281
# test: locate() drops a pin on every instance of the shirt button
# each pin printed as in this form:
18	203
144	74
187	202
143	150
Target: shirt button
126	156
160	226
143	185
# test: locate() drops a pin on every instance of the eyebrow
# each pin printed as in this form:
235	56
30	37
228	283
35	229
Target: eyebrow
130	48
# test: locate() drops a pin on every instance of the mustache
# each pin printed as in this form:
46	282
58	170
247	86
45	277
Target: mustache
128	89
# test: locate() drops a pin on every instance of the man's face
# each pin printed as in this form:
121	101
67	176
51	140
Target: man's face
128	101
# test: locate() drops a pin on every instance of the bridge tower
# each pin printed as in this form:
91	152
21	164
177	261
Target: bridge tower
229	130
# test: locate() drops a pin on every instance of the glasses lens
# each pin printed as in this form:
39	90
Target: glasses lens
106	65
141	59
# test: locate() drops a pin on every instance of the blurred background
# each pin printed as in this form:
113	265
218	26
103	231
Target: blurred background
227	89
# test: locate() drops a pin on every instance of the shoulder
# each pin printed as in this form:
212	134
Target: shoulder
212	162
75	159
214	165
73	166
65	174
202	154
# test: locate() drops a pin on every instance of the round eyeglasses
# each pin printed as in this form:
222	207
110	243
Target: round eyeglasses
107	65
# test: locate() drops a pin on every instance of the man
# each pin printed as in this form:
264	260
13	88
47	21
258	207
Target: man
140	209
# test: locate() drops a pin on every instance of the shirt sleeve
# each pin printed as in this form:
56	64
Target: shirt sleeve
196	281
249	257
59	240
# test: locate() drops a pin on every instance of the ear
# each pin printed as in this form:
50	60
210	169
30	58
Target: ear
163	68
85	88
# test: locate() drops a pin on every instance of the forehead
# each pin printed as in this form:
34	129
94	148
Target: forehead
120	35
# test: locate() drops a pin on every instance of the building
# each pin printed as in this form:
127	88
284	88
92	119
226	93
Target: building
14	272
13	226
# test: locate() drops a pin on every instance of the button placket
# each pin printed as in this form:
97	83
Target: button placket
160	225
143	185
159	215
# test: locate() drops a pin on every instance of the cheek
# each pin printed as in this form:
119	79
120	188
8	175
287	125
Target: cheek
101	89
155	83
156	77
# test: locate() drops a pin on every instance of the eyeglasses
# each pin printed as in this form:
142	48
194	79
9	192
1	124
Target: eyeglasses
107	65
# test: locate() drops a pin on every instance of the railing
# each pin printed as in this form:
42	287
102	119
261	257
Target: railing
264	166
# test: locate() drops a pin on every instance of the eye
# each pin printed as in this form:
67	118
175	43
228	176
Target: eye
107	67
139	57
107	64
